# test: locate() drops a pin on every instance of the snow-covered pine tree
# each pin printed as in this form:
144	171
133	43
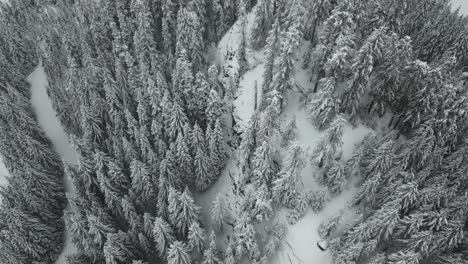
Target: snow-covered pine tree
187	213
317	200
335	178
168	32
218	212
210	255
262	25
341	23
288	132
244	235
200	97
176	120
247	146
323	107
263	163
363	64
219	20
327	149
242	48
229	254
283	74
202	170
216	146
285	187
271	52
326	229
178	254
216	106
299	210
142	183
319	11
277	234
189	37
196	238
262	208
184	159
163	236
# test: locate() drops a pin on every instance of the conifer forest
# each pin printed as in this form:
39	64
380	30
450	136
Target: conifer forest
234	132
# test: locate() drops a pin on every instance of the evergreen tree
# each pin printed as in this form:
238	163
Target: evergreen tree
299	209
219	20
190	38
327	149
203	175
210	254
216	144
316	200
176	120
229	254
178	254
218	212
216	107
187	213
283	74
335	178
271	52
263	15
244	233
288	132
263	166
323	106
163	236
363	65
183	88
285	187
184	159
196	238
326	229
241	50
277	234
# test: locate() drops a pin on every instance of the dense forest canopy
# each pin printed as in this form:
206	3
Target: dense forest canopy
150	115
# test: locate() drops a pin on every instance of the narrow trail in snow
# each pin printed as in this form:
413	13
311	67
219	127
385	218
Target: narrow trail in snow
47	119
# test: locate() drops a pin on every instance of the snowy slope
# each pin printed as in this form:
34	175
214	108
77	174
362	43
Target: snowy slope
463	4
299	245
48	121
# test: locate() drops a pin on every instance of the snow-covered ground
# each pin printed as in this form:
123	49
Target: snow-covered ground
463	4
3	174
47	118
250	88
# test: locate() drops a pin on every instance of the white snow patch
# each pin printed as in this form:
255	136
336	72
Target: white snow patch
250	87
3	173
47	118
463	4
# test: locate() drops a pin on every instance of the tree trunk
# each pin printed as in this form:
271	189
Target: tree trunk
317	81
255	98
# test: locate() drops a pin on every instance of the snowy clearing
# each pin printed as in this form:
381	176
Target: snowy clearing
250	88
